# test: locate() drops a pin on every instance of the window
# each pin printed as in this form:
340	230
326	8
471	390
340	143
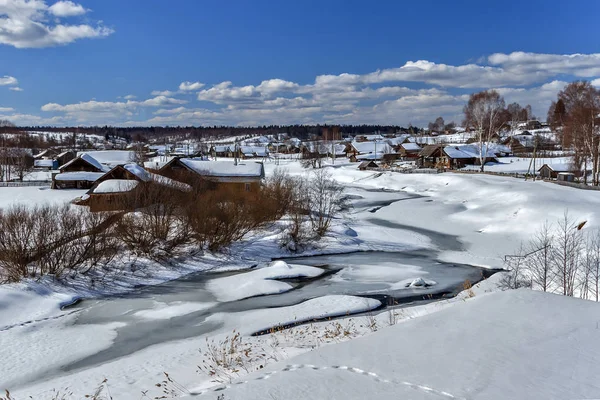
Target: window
247	187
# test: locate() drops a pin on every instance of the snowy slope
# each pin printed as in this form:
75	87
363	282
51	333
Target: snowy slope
508	345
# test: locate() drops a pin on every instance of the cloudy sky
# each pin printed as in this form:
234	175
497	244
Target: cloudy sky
255	62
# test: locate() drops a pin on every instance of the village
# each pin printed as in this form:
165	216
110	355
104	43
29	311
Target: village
113	169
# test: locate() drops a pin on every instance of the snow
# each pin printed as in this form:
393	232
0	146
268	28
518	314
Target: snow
116	186
522	164
43	163
315	309
79	176
111	157
411	147
36	195
413	283
518	345
467	151
176	309
138	171
262	281
225	168
372	147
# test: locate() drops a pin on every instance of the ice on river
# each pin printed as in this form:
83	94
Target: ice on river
262	281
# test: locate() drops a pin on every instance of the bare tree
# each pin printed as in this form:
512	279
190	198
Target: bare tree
324	200
514	277
594	249
484	112
581	102
566	254
539	263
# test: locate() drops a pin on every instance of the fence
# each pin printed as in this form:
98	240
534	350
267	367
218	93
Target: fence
577	185
26	183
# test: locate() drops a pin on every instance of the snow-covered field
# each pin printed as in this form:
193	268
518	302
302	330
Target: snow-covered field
481	345
521	165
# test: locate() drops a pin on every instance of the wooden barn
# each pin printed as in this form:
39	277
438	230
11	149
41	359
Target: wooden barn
245	176
547	171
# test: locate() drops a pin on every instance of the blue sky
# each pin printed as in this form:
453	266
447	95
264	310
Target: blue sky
189	62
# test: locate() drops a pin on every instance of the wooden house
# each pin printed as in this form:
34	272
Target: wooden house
79	173
221	151
130	187
432	156
245	176
409	150
468	154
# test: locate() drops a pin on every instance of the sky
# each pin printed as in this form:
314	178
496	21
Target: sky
258	62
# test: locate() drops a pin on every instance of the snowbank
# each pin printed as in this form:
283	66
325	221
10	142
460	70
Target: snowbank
175	309
262	281
518	345
319	308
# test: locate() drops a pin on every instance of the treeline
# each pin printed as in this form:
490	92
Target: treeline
192	132
60	240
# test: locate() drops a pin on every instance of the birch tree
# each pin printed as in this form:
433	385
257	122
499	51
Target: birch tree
566	254
539	262
485	113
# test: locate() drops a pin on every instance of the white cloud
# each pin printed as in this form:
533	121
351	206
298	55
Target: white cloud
6	109
15	89
538	97
8	80
163	93
190	86
66	9
596	82
536	64
129	97
375	97
160	101
31	24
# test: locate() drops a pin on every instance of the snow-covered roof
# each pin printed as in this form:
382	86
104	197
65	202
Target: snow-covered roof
374	136
221	149
258	150
395	141
116	186
89	159
111	157
411	147
558	167
43	163
224	168
370	147
370	156
79	176
467	151
64	153
138	171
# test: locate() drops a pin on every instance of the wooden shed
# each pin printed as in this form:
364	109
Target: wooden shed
365	165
